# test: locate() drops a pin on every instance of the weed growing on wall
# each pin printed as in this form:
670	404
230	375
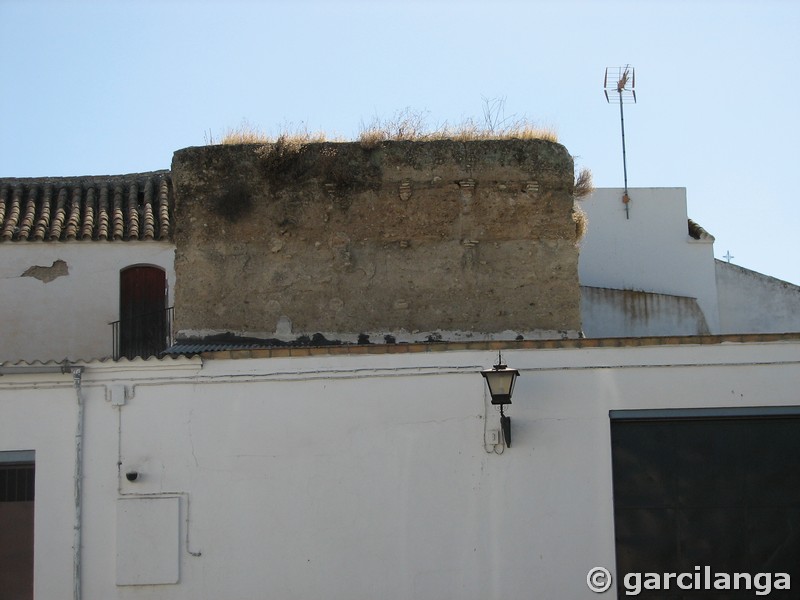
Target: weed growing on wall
583	187
409	124
405	125
583	184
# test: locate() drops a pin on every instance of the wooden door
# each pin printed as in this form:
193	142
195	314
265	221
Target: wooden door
142	311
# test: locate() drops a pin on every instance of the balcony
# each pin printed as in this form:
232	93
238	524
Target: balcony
143	335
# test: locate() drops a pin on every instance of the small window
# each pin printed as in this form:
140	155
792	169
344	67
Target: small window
16	482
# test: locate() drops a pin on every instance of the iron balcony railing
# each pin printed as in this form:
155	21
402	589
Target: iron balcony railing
143	335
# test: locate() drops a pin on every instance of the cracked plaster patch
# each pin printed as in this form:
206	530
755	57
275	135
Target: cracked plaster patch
59	268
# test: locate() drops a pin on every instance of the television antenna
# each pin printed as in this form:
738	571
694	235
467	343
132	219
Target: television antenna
622	82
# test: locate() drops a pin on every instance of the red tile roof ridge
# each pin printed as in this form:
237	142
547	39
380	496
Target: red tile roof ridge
135	206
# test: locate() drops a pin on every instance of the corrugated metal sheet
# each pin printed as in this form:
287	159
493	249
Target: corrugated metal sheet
199	347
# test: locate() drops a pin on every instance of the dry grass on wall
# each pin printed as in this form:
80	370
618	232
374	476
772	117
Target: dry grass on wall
412	125
247	133
581	221
582	189
583	184
405	125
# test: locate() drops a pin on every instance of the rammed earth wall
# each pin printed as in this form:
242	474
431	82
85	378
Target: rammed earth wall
408	239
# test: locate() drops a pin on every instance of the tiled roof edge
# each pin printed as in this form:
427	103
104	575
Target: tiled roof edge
355	349
698	233
65	365
84	179
284	352
135	206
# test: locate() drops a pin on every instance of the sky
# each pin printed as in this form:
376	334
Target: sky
116	86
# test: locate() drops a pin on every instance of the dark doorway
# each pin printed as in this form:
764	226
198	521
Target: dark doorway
144	322
722	492
16	527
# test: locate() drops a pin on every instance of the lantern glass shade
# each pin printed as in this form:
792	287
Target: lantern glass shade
500	380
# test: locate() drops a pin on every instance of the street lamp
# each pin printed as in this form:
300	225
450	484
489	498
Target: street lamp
500	380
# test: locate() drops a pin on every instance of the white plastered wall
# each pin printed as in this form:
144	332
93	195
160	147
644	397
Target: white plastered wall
68	317
359	476
750	301
651	251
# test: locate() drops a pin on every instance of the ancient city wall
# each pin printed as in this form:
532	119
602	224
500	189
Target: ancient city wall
405	239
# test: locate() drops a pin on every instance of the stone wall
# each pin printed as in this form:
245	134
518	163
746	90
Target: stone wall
406	240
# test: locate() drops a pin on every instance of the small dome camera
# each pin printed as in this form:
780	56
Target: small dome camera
132	475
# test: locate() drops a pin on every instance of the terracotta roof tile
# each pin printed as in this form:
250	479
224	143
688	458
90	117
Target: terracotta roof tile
698	232
117	207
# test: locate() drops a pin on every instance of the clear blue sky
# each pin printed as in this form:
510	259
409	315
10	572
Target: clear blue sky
116	86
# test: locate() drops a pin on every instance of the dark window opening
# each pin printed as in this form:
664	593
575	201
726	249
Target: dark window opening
16	482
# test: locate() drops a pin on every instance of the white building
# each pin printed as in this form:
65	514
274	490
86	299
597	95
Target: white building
68	246
656	444
651	271
354	472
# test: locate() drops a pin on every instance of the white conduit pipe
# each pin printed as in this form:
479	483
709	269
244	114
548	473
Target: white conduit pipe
76	542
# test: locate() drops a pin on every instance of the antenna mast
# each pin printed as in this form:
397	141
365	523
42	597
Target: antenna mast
622	81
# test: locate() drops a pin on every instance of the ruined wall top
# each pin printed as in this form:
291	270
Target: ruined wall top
403	240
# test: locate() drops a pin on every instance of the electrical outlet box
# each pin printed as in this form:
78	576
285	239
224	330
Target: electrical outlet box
117	394
493	437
